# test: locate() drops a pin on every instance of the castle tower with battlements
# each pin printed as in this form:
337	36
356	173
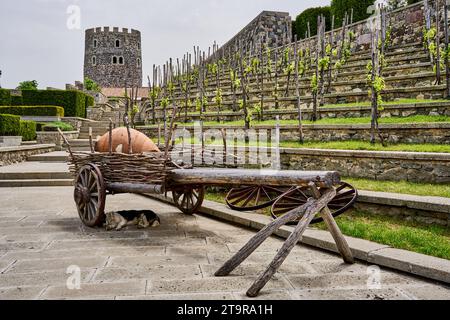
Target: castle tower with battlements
113	57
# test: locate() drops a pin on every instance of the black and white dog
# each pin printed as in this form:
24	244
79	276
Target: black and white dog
142	219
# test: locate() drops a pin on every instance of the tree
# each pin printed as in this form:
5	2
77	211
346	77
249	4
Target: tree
91	85
360	9
310	15
28	85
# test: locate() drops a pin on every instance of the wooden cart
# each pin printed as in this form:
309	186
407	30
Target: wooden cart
98	175
296	196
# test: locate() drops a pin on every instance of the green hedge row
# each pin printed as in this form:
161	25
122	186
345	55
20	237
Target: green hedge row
27	130
73	102
50	111
340	7
11	125
310	15
90	101
5	97
16	101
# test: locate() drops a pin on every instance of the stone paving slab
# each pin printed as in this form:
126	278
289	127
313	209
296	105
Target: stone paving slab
175	261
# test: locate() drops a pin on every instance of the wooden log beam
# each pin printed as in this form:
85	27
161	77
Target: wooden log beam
307	211
332	226
218	176
135	188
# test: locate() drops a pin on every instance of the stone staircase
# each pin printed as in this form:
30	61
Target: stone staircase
44	170
409	74
99	127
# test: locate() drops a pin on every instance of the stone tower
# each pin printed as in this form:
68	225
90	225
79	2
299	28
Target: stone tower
113	57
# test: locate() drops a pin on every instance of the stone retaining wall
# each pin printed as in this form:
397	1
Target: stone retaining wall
55	138
275	28
432	109
10	156
394	166
438	133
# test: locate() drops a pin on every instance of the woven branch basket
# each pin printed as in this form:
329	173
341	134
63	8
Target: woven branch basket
147	168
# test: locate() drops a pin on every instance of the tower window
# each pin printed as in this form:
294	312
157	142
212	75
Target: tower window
95	43
94	60
138	62
120	60
114	60
117	43
139	46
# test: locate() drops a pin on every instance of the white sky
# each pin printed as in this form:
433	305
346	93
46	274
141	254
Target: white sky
36	43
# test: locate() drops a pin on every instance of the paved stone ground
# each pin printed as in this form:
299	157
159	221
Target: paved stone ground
41	236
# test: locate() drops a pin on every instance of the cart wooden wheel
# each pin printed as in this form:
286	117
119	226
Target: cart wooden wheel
90	196
252	198
294	198
189	199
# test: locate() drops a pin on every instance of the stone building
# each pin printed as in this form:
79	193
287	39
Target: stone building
272	28
113	57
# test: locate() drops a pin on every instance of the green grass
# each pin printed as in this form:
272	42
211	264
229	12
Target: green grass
53	126
330	121
398	233
403	187
336	145
364	145
388	103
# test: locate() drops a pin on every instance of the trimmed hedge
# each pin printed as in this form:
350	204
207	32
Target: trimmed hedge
73	102
5	97
339	7
311	14
16	101
9	125
90	101
27	130
50	111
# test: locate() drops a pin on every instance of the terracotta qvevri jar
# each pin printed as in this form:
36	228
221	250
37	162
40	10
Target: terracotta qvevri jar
139	141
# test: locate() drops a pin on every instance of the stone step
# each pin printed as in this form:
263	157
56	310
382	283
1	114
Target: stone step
94	125
36	183
34	175
78	149
57	156
80	142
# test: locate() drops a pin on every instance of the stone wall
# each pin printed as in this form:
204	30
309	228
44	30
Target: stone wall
103	71
407	24
395	166
438	133
401	212
374	165
55	138
274	28
13	155
432	109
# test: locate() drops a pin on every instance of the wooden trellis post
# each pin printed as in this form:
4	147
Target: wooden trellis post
427	17
438	43
276	80
297	91
261	71
330	70
322	56
446	36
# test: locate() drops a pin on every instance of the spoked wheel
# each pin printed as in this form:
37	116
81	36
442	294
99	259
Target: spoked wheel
90	196
188	199
252	198
346	196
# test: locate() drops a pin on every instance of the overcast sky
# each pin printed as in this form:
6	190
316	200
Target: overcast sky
37	44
